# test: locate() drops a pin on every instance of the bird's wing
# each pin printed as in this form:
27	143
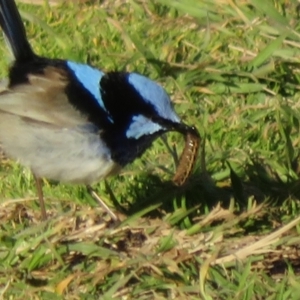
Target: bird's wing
42	99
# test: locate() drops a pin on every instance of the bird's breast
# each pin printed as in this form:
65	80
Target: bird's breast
71	155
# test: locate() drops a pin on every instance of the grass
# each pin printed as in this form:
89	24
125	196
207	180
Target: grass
232	232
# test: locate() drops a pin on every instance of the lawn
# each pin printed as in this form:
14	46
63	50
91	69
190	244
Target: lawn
232	69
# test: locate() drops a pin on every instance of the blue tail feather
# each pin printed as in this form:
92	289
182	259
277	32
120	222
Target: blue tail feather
14	30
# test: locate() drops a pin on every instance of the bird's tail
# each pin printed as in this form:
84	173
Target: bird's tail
14	30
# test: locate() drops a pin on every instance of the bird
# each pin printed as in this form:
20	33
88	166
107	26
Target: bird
71	122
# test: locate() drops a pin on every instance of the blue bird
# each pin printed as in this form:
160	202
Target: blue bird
71	122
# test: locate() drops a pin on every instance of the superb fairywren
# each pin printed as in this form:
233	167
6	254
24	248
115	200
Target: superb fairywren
71	122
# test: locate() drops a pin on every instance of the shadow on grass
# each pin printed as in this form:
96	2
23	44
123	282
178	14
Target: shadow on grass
259	183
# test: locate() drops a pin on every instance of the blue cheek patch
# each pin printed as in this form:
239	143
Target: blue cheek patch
90	78
141	126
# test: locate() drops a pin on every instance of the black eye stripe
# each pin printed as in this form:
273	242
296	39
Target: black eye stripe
121	99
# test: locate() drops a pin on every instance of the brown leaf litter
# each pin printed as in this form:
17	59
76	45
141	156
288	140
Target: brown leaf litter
143	238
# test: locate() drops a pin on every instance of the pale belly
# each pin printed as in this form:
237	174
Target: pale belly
62	154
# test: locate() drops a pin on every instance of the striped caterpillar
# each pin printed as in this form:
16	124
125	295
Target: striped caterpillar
188	157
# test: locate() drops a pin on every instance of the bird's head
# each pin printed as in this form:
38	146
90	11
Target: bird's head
129	109
137	104
139	109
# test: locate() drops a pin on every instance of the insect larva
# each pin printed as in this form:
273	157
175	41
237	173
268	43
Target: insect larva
188	157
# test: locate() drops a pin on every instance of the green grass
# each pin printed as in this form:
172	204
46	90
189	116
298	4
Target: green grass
232	232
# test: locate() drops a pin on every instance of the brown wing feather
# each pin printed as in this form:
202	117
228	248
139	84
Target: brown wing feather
43	99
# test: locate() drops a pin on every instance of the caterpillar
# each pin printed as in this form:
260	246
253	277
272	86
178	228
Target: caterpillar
188	157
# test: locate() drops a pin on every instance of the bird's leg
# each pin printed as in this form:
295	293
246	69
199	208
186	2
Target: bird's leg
39	188
102	203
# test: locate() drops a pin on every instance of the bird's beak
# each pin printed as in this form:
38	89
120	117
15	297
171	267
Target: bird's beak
185	129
